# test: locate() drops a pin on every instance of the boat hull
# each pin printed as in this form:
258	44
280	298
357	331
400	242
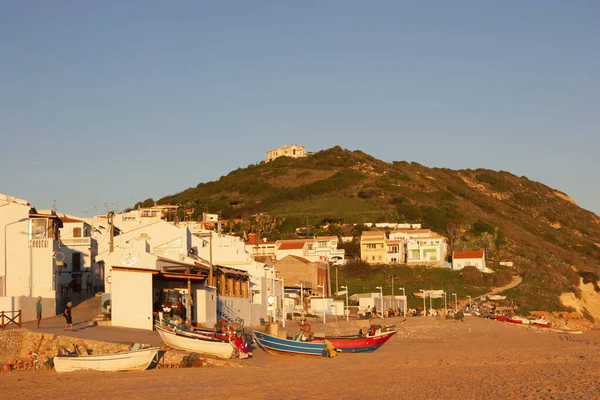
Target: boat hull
355	344
213	348
278	346
137	360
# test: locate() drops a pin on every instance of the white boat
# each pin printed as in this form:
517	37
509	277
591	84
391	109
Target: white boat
210	347
136	360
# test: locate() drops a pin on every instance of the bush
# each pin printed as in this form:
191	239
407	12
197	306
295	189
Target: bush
472	275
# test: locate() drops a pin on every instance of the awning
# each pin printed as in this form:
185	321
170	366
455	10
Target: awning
129	269
183	276
232	271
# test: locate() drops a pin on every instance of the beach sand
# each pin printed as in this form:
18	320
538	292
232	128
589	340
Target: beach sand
428	359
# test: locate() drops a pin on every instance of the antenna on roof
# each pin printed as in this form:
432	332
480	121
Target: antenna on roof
54	206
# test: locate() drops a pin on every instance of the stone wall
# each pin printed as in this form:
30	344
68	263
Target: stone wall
18	343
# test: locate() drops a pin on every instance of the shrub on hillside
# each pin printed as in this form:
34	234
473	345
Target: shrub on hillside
357	268
472	275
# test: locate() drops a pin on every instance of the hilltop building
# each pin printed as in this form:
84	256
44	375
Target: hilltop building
293	151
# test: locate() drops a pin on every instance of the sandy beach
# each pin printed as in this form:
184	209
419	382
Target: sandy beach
428	359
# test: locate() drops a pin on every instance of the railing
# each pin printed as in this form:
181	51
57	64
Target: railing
226	312
75	241
14	320
39	243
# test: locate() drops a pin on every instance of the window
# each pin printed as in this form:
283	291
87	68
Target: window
371	246
76	232
322	244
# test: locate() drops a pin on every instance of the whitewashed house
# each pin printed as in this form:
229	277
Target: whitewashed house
462	259
27	257
79	272
422	245
321	248
161	259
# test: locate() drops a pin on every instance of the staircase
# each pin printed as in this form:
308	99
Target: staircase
227	313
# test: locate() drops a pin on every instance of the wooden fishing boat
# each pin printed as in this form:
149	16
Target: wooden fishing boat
355	343
278	346
196	344
135	360
186	331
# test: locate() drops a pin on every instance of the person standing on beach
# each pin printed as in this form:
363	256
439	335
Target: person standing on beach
38	311
68	317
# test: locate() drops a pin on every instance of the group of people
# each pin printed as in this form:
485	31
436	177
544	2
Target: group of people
66	313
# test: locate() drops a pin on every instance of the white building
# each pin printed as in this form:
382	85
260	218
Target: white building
321	248
293	151
27	265
422	245
161	257
461	259
79	272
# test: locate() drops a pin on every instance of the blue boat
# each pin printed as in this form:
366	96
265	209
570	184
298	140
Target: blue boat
274	345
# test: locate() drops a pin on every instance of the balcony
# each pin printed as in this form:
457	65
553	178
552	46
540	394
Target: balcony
80	241
39	243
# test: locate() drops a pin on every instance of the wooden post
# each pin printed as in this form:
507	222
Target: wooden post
2	319
20	319
245	285
237	288
230	286
222	286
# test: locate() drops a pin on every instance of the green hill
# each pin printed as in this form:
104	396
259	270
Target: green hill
551	240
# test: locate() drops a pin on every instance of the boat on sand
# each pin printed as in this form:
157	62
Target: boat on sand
134	360
196	344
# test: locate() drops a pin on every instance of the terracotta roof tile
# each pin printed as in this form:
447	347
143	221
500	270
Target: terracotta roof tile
467	254
292	245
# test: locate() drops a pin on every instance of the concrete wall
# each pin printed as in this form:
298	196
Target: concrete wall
206	307
27	306
131	299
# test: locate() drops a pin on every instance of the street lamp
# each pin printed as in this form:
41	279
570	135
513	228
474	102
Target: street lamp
470	306
301	295
381	296
403	291
4	293
346	308
455	302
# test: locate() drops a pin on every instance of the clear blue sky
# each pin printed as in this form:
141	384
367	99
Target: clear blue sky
118	101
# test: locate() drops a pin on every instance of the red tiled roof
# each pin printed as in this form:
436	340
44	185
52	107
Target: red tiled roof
292	245
468	254
301	259
261	259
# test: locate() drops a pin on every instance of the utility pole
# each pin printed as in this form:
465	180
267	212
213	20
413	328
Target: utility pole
328	279
336	279
110	216
210	274
392	287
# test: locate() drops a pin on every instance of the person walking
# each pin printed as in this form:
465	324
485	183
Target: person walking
38	311
68	317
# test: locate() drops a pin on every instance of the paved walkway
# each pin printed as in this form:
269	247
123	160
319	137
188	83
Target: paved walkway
83	315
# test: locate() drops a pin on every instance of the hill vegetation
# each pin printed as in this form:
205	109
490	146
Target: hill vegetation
552	242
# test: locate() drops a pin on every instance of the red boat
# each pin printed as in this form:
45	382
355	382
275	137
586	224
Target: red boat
356	343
